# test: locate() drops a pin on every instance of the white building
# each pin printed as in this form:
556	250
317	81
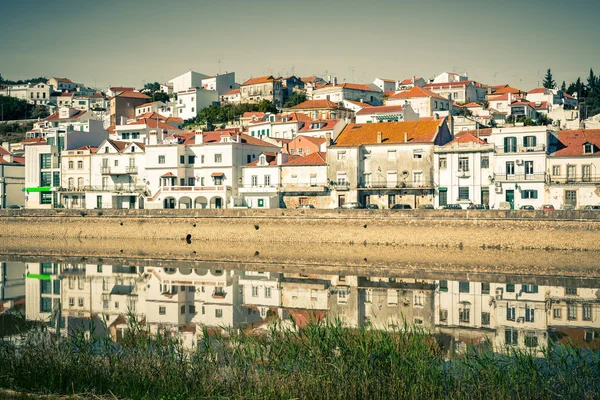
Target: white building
222	84
423	101
461	91
386	114
33	93
519	172
409	83
463	171
446	77
12	179
234	96
574	168
261	181
386	85
187	81
153	106
192	100
62	84
348	91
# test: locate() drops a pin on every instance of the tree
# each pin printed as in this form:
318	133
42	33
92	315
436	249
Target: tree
39	111
549	82
160	96
563	87
463	112
266	106
151	87
295	99
544	120
593	84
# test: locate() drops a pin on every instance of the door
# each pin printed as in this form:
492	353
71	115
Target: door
218	202
367	199
485	196
341	200
443	197
261	202
571	197
99	202
131	201
391	200
510	198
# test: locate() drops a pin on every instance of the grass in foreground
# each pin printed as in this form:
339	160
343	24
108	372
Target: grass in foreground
323	360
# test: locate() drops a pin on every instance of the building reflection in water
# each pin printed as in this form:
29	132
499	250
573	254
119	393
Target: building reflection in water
180	301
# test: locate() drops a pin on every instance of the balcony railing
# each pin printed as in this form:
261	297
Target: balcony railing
219	188
119	171
109	188
520	149
131	169
105	171
535	177
385	184
573	180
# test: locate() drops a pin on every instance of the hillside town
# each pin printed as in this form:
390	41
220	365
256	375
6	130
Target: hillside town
302	142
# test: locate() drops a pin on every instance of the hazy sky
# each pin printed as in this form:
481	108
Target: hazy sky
128	42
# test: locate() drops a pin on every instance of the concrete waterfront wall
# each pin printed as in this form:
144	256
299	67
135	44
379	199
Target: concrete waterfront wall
558	230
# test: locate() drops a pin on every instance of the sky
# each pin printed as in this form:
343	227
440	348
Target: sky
130	42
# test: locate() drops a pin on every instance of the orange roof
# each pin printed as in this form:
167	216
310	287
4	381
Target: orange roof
329	124
122	89
472	105
260	79
466	138
177	120
133	95
147	104
409	81
34	140
271	159
392	132
55	116
250	114
316	104
357	86
380	110
232	92
537	91
167	175
359	104
473	132
571	143
416	92
153	123
508	89
317	158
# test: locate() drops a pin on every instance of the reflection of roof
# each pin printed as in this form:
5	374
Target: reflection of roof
571	143
380	110
392	132
317	158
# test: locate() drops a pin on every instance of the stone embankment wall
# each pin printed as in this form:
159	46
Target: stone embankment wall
558	230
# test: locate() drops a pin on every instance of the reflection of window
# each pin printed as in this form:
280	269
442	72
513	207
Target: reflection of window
485	318
571	312
557	313
510	313
464	314
162	310
587	312
511	337
463	287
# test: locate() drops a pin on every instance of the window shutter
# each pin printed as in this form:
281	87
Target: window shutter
506	145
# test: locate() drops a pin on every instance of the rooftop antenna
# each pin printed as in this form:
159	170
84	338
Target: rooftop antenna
352	69
219	62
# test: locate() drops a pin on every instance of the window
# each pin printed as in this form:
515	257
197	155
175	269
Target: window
191	181
79	164
341	155
443	315
391	155
105	304
418	177
464	287
161	159
557	313
46	179
463	193
529	314
531	339
571	172
485	161
181	159
116	163
510	313
443	286
585	173
56	179
71	301
485	288
556	170
464	314
443	163
71	164
267	292
307	151
267	180
300	152
587	312
510	168
529	141
46	287
419	298
588	148
218	158
510	144
571	291
528	167
191	159
192	309
71	183
529	288
80	302
571	312
590	336
182	310
254	180
510	287
45	161
417	154
218	313
254	291
162	310
529	194
463	163
202	159
46	198
485	318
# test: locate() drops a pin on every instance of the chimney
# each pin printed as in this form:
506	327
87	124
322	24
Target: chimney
6	146
379	137
122	120
153	137
405	137
198	138
8	158
414	79
334	83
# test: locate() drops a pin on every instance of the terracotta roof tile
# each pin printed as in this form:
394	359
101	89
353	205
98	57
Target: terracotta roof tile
232	92
316	104
55	116
317	158
329	124
416	92
408	81
133	95
537	91
260	79
392	132
153	123
147	104
359	104
380	110
466	138
571	143
508	89
482	132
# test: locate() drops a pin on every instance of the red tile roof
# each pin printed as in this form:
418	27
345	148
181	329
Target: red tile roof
421	131
3	151
440	85
466	138
167	175
271	159
380	110
568	96
389	93
472	105
176	120
215	137
153	123
55	116
538	90
571	143
317	158
122	89
133	95
508	89
34	140
409	81
260	79
416	92
250	114
316	104
482	132
359	103
329	124
147	104
232	92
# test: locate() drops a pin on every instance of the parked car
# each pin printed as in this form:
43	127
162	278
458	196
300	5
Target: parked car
452	207
547	207
352	206
14	207
401	207
476	207
304	206
372	207
527	208
426	207
597	208
568	207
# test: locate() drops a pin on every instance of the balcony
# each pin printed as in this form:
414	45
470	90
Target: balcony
109	188
540	148
304	187
218	188
536	177
573	180
258	188
385	184
105	171
131	169
119	170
